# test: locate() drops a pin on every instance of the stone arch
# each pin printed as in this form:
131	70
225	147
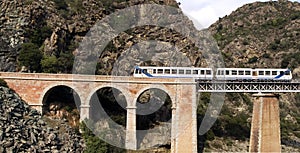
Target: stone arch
48	88
64	105
154	127
121	89
161	87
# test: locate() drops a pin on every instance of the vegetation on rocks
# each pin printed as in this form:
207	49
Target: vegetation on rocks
44	36
260	35
30	56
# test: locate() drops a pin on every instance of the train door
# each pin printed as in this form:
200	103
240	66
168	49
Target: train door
254	74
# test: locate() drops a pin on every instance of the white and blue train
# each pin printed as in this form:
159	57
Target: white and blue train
227	74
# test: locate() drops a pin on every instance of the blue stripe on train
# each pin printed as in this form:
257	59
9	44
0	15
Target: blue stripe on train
280	75
142	70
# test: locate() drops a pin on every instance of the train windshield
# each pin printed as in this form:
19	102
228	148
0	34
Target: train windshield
287	72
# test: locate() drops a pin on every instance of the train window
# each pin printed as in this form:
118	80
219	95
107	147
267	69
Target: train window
281	73
181	72
208	72
287	73
233	72
195	71
222	72
227	72
188	71
202	72
274	72
174	71
167	71
268	72
138	71
241	72
260	72
247	73
160	71
154	71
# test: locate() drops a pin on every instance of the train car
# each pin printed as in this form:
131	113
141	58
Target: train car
173	72
272	74
248	74
227	74
233	74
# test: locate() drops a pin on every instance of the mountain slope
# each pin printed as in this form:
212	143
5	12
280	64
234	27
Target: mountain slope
259	35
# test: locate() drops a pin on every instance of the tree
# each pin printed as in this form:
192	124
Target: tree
50	64
65	62
93	143
30	56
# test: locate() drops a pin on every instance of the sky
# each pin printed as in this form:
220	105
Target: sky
206	12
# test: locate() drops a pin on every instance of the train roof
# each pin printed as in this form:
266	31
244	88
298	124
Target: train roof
234	69
165	67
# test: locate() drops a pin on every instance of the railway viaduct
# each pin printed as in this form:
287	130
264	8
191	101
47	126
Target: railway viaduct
33	88
265	127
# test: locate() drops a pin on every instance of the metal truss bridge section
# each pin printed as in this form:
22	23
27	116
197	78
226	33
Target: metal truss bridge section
251	87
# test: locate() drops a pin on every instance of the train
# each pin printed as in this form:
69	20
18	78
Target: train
223	74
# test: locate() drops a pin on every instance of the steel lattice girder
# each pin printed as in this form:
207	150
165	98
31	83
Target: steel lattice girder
248	86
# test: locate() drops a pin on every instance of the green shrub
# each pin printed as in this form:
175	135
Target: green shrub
295	16
266	55
278	21
210	135
297	98
30	56
49	64
61	4
39	34
65	62
245	42
253	60
3	83
93	143
28	2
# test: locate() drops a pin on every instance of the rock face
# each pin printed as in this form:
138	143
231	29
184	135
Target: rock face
67	23
12	33
260	34
23	129
255	35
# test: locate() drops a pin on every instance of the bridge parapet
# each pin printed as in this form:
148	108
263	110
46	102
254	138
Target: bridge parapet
93	78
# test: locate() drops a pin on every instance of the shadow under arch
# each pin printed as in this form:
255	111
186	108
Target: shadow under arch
153	118
61	101
108	115
113	103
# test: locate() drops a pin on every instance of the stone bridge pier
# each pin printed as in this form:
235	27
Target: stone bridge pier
33	88
265	127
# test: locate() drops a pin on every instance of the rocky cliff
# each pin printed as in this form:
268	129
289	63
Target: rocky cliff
261	34
56	27
23	129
